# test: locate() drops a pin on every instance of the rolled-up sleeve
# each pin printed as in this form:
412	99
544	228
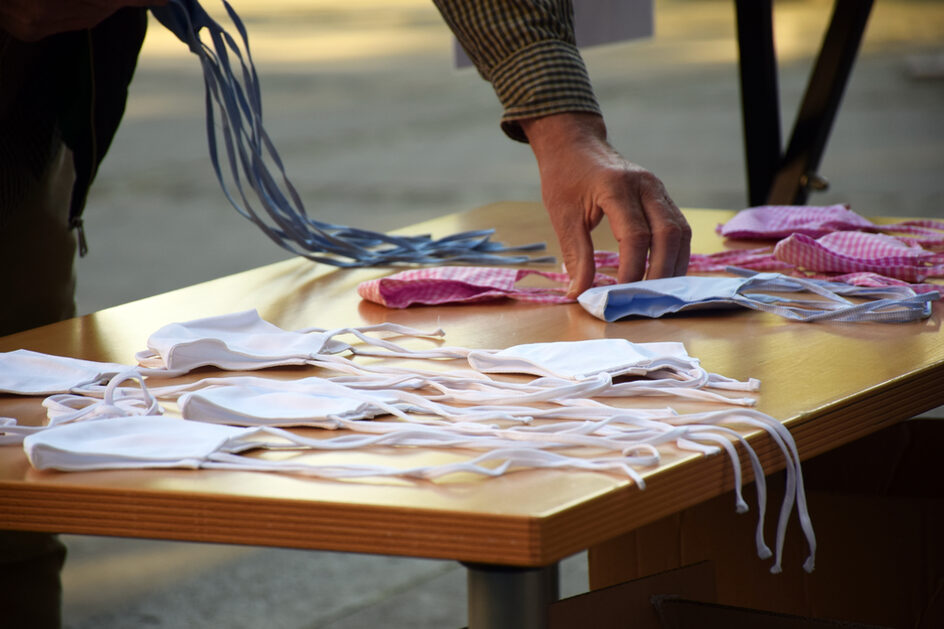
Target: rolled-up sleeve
526	50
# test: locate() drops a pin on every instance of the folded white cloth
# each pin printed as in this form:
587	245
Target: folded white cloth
248	401
577	360
25	372
244	341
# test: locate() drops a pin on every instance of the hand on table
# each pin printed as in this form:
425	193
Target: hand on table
584	179
32	20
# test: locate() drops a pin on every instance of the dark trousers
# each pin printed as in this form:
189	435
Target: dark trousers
61	100
37	250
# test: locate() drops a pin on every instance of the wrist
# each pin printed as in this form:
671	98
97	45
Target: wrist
558	131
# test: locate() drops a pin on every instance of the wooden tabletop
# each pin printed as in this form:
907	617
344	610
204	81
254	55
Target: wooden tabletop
830	383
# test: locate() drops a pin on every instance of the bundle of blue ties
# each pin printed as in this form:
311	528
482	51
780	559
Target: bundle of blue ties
233	94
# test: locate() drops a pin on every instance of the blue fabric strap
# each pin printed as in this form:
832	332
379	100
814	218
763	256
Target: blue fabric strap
251	158
887	304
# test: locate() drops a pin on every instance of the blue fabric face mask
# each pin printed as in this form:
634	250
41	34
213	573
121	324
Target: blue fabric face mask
253	178
759	291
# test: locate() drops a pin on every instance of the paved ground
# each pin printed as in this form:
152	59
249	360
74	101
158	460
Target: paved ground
378	130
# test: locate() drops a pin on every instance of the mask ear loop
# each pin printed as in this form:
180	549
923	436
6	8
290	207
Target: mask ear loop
508	457
115	402
760	480
924	232
909	307
794	475
12	433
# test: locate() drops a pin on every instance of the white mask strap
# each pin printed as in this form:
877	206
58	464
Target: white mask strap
116	402
12	433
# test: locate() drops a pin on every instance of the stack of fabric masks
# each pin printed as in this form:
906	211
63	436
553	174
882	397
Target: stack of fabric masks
532	406
833	242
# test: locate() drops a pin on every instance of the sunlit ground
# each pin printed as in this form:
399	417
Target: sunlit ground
687	31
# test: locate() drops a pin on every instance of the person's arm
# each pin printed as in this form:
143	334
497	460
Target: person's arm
526	49
32	20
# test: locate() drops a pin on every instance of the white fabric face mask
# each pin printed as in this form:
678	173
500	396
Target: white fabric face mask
244	341
24	372
248	401
154	442
307	402
238	341
579	360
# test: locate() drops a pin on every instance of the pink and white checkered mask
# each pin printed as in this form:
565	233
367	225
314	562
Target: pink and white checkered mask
772	222
763	259
857	252
466	284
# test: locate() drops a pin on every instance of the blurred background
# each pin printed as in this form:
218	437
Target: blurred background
378	129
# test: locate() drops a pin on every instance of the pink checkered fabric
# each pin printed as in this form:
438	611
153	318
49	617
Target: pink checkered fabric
854	252
773	222
761	259
757	259
873	280
466	284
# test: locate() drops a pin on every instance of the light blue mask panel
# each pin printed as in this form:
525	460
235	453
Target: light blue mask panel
258	176
758	291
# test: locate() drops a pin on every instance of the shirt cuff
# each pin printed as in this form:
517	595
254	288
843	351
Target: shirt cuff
547	77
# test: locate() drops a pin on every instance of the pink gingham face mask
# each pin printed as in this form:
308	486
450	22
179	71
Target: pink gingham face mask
772	222
466	284
856	252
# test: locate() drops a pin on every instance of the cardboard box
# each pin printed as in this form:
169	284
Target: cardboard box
682	598
877	506
630	604
676	613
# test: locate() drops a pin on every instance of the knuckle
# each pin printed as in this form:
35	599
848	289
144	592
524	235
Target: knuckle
671	232
637	238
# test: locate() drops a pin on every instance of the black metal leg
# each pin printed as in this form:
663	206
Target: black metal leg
797	173
760	97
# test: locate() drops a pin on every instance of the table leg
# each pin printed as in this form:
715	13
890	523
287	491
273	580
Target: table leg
503	597
785	178
797	173
760	96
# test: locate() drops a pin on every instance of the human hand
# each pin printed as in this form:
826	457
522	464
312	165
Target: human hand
584	179
32	20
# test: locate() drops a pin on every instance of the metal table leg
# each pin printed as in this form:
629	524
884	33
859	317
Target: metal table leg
760	96
775	177
504	597
797	173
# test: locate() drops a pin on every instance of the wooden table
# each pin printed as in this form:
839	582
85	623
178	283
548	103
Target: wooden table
830	384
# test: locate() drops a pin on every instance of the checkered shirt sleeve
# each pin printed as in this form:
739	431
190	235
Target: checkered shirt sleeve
526	50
